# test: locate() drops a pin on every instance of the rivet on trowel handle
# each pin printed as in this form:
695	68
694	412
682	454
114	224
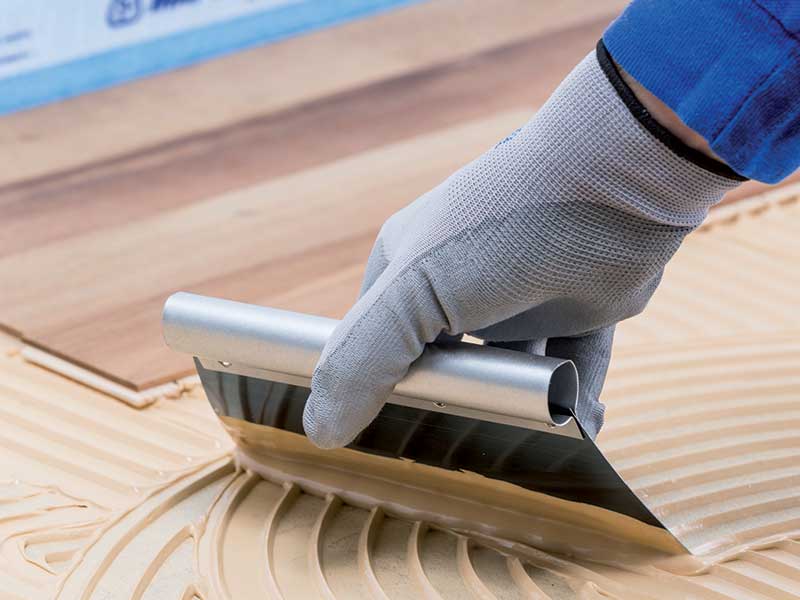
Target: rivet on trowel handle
225	363
440	404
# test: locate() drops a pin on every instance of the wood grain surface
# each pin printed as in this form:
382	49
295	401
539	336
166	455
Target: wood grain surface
262	176
265	79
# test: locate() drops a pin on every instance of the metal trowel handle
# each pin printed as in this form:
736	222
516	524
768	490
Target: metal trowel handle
458	378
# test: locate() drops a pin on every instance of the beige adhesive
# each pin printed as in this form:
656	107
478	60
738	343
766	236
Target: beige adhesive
101	500
459	500
139	399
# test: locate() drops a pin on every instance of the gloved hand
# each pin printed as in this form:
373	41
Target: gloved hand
545	241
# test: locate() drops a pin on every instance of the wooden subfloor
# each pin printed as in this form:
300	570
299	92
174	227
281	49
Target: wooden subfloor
262	176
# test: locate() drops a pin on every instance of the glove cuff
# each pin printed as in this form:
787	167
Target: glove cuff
662	134
593	141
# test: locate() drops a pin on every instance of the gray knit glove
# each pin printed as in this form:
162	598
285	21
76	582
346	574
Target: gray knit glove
548	240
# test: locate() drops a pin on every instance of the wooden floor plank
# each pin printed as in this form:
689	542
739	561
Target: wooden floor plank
100	303
204	164
271	198
244	85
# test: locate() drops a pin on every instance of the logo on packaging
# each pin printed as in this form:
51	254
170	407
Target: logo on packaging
123	12
162	4
126	12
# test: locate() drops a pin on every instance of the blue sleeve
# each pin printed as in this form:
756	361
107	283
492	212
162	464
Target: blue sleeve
730	69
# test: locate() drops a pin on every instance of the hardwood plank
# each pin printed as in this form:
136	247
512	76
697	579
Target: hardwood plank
197	166
100	301
117	236
238	155
207	96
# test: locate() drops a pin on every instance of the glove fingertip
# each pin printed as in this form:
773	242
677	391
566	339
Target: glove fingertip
323	432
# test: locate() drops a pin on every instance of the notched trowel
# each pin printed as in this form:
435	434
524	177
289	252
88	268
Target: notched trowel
464	408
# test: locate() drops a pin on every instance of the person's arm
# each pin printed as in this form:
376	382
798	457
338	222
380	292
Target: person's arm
728	70
664	115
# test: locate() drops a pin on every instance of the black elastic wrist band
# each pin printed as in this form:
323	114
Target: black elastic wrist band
654	127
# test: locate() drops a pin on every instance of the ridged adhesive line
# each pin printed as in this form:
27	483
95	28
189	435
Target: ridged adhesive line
290	494
366	543
415	563
332	504
468	573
